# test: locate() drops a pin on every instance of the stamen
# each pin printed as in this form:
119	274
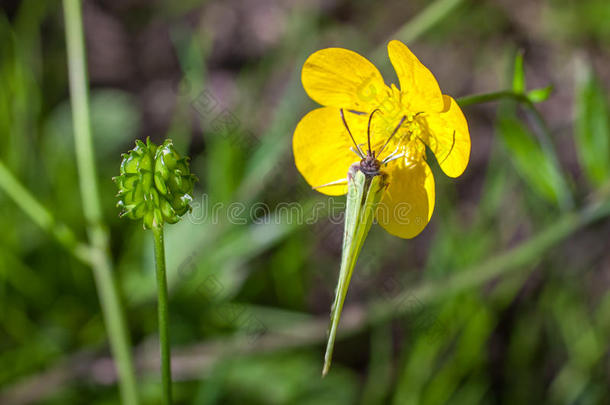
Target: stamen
393	153
393	157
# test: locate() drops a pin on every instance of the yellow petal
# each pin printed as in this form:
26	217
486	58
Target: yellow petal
321	147
408	202
447	136
337	77
418	85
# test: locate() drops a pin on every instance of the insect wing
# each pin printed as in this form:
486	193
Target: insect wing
363	195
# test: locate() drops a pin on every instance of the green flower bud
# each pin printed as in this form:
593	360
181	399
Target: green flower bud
155	184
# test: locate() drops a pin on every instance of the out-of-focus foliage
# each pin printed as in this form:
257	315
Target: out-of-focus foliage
530	160
251	284
592	128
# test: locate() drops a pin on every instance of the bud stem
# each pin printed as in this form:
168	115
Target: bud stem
166	373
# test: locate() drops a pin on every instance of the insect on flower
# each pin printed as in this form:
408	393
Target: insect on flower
410	119
397	188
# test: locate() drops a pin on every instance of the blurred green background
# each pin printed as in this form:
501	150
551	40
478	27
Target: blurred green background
502	299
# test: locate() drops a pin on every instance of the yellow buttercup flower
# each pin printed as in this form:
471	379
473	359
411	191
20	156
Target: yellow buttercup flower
402	122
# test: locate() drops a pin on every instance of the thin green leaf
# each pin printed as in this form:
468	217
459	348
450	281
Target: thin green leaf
534	166
518	74
592	128
539	95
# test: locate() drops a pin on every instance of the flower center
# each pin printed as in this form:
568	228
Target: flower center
407	144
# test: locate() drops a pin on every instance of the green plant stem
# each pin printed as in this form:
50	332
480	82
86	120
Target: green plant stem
493	96
41	216
100	257
566	201
166	372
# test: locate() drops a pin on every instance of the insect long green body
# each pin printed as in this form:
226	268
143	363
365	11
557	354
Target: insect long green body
363	194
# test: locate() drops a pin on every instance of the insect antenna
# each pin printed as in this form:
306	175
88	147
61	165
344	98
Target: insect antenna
350	133
404	117
368	131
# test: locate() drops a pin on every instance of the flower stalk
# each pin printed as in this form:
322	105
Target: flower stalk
154	185
100	257
162	309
